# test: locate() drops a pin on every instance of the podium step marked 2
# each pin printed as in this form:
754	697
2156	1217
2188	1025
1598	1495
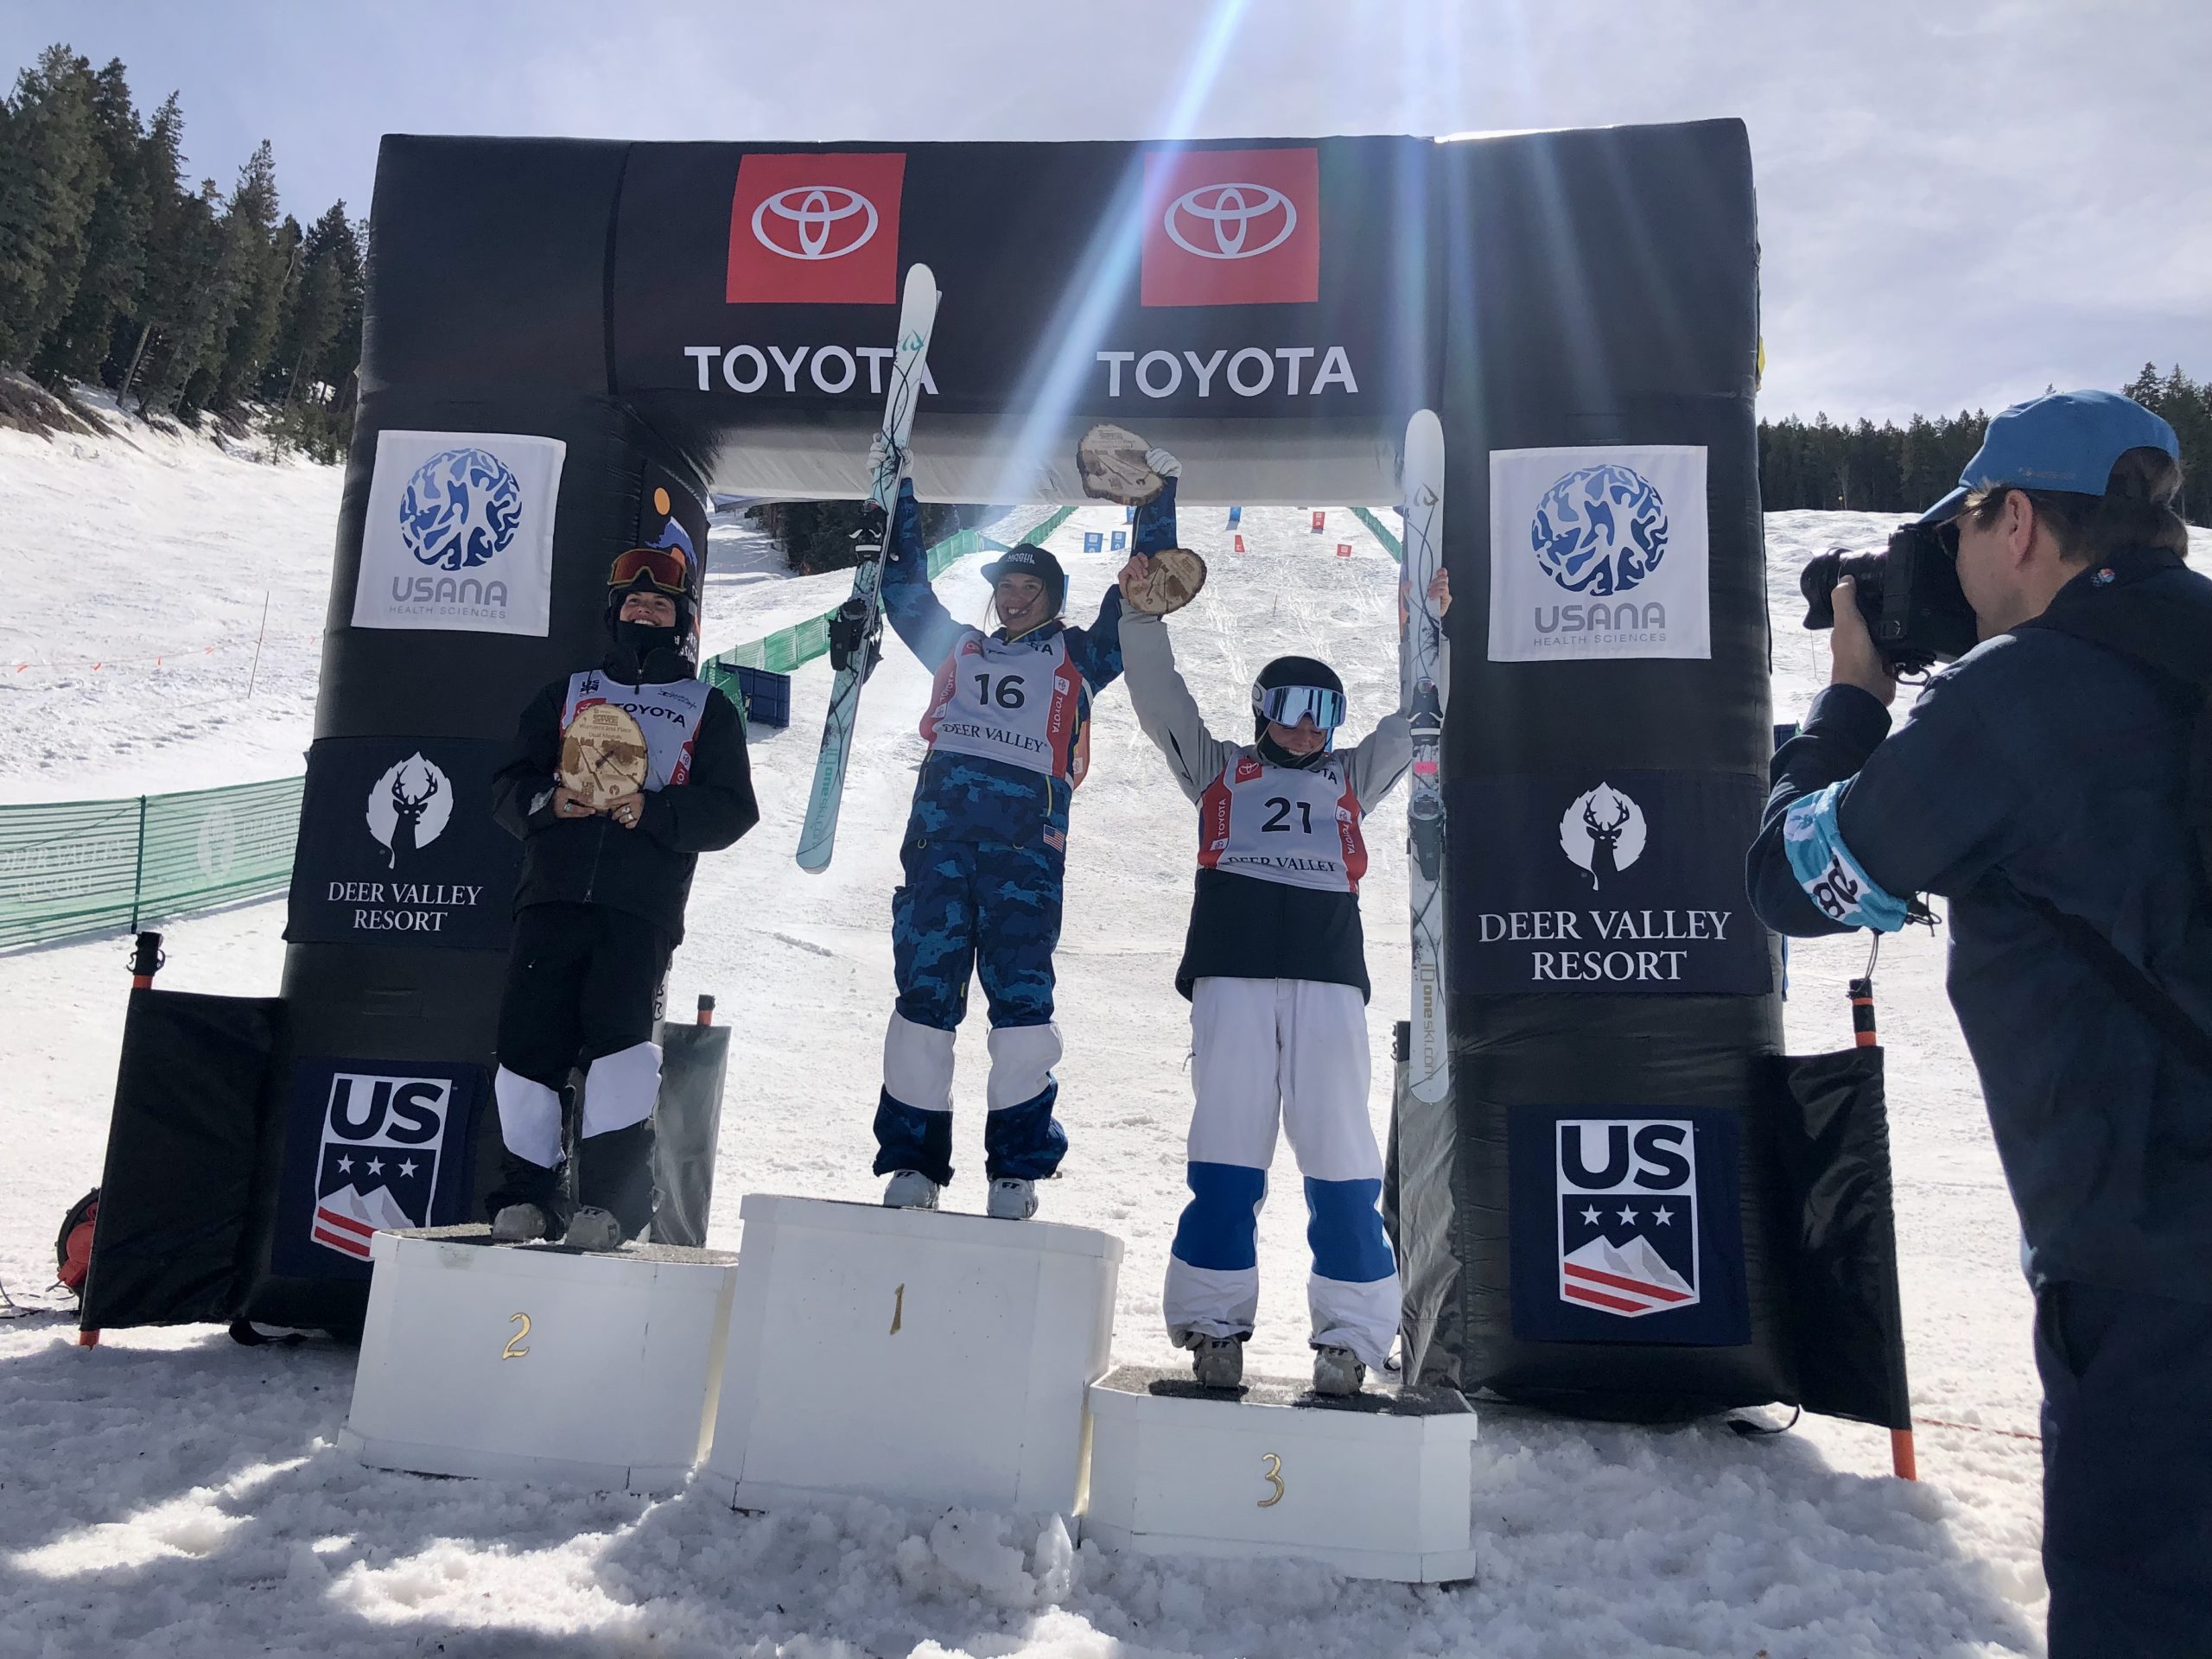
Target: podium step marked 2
1377	1486
540	1363
913	1357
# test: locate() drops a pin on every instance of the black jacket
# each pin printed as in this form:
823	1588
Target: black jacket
2039	766
646	870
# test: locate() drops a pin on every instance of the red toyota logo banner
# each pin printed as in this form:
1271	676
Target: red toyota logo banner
818	229
1232	227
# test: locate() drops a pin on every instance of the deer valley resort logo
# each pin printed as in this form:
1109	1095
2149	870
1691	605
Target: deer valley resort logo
409	808
1602	833
1598	532
460	511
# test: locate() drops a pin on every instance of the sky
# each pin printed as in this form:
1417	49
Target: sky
1961	201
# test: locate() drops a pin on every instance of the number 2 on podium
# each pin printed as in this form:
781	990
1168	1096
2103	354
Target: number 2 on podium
512	1351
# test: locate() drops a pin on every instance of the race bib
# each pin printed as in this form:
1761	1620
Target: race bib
667	712
1283	823
1019	702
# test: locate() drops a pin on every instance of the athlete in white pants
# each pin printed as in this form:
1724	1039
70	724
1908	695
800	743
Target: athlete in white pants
1274	965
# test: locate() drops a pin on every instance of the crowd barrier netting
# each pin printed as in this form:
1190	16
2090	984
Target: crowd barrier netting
69	868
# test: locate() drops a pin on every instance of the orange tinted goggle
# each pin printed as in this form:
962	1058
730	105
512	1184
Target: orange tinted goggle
664	566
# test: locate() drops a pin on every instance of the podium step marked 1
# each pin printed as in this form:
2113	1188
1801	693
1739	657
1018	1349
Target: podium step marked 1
917	1357
1377	1486
540	1363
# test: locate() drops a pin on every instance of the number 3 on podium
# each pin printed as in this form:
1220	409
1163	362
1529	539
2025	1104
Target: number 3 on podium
1273	1478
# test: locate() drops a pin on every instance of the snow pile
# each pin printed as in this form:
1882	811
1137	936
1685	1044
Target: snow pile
171	1493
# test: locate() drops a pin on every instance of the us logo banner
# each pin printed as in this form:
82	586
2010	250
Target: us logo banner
1625	1227
371	1147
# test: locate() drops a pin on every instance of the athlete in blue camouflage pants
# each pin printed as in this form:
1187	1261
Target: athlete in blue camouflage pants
986	851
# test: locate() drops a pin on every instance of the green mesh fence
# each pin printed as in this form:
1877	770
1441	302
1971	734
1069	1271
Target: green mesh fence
93	867
1384	533
74	867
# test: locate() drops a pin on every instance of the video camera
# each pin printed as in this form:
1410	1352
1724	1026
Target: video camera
1908	594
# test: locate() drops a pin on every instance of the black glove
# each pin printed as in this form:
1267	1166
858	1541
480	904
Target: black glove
851	637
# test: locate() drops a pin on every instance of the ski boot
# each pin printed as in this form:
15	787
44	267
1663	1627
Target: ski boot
1012	1200
909	1189
1215	1361
592	1228
518	1223
1335	1371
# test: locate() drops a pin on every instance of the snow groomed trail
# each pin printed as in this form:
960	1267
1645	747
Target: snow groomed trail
172	1493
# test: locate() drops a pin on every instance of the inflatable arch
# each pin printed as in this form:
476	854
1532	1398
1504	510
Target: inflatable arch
589	337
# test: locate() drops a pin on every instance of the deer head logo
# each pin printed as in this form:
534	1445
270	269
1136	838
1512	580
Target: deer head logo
409	808
1602	833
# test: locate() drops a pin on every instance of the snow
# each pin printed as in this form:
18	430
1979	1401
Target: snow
172	1493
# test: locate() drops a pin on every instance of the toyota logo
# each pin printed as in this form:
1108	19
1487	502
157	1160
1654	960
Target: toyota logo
1239	221
815	221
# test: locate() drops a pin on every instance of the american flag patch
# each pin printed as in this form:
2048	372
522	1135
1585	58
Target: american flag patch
1055	839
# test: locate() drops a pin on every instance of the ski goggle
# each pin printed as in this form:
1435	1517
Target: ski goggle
1287	705
666	568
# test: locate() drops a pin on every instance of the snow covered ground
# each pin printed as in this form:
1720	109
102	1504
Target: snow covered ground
171	1492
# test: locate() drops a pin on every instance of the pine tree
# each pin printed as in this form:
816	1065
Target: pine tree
51	170
115	257
255	264
169	212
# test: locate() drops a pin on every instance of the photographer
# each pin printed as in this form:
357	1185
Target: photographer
2043	785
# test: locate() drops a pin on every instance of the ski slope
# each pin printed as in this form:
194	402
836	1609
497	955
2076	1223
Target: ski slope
172	1493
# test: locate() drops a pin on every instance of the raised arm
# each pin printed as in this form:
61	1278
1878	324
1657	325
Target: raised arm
1164	707
915	613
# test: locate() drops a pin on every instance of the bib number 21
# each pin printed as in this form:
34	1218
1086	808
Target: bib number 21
1279	822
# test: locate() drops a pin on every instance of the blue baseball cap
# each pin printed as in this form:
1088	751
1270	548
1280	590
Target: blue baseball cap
2064	441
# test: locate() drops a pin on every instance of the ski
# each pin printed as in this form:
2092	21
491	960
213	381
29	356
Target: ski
857	626
1424	661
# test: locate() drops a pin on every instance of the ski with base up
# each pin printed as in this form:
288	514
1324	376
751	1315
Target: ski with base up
1424	666
857	626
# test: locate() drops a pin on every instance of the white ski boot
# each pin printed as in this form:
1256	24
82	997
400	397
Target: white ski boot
518	1223
910	1189
1012	1200
1335	1371
1217	1362
592	1228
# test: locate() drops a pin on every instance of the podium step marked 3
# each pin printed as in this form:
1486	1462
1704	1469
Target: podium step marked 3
918	1358
539	1364
1377	1486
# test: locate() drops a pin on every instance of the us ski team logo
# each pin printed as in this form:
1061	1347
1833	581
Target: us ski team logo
1627	1214
379	1167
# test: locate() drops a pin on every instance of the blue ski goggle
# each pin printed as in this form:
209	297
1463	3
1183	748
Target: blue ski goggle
1287	705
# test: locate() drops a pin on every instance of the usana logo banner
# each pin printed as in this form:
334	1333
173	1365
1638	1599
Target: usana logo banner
1608	882
1598	552
459	533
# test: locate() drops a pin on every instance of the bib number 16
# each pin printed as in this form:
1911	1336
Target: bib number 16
1010	693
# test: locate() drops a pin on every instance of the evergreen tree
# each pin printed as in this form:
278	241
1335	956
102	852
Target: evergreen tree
114	274
257	262
51	170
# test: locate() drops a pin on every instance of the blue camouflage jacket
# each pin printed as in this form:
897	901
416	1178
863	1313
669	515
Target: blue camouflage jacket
2038	763
971	797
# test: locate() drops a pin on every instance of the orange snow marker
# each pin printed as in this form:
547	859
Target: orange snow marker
1321	518
1344	549
706	1010
1240	543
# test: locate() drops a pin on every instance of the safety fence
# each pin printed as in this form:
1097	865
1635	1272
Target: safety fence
1384	533
74	867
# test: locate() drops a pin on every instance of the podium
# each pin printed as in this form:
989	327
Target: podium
1377	1486
914	1356
538	1363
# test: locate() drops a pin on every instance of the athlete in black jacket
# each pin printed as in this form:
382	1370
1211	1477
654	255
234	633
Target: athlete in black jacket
600	907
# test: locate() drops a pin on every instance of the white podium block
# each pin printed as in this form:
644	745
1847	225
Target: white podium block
1378	1487
917	1357
536	1362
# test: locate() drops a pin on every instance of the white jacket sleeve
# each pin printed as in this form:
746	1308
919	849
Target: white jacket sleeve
1382	759
1164	707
